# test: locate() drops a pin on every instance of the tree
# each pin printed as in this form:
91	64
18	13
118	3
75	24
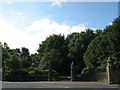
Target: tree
24	52
5	56
14	63
78	43
14	60
105	45
35	61
51	51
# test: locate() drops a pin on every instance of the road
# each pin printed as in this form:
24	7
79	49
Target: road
57	85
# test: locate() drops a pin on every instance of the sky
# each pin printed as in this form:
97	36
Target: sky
27	24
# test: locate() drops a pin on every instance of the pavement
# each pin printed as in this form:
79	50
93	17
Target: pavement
58	85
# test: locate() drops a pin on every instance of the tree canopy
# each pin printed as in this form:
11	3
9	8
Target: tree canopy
52	51
105	45
78	45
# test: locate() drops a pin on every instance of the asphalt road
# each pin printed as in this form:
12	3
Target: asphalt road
57	85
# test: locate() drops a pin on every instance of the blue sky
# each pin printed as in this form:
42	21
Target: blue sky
28	22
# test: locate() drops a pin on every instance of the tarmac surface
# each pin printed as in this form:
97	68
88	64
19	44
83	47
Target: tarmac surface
58	86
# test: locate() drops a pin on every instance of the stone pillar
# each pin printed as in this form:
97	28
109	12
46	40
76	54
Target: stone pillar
73	72
49	72
109	70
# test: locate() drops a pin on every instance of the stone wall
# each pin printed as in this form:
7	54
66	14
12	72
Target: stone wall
103	77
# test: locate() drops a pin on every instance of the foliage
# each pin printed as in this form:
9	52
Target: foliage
105	45
14	60
86	71
52	52
78	45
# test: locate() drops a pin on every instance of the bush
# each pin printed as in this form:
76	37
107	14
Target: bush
19	75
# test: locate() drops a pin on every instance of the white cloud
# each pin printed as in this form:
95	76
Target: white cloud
10	2
16	13
17	38
49	27
11	35
19	13
56	3
78	28
35	33
110	23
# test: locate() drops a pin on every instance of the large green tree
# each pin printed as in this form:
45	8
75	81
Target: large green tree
25	59
14	60
77	45
52	51
105	45
5	57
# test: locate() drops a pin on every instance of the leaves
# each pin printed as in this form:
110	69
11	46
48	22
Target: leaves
105	45
51	51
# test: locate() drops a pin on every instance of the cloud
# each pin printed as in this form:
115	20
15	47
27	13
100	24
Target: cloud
10	2
78	28
11	35
19	13
35	33
110	23
49	27
57	3
17	38
16	13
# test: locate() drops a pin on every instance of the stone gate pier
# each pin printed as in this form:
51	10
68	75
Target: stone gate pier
113	76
